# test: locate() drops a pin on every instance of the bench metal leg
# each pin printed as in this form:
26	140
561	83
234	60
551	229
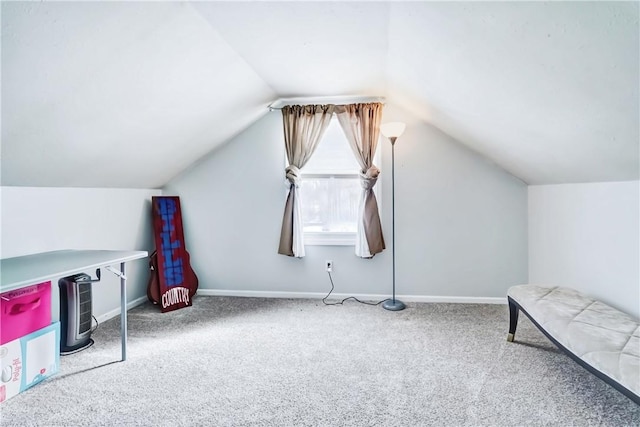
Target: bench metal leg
514	310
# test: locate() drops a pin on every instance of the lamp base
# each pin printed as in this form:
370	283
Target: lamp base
393	305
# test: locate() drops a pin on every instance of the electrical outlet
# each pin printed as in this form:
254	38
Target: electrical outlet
329	265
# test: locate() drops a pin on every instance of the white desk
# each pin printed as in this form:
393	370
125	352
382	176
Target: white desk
27	270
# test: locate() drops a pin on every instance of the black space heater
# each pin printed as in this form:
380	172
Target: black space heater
76	315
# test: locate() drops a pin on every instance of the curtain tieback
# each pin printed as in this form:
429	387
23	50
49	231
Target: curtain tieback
293	175
369	178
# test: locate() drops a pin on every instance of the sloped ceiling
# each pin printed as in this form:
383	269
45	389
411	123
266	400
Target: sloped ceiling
135	92
117	94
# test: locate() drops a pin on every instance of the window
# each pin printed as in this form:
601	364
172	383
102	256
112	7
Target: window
331	191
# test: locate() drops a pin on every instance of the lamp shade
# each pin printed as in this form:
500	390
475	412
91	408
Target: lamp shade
392	129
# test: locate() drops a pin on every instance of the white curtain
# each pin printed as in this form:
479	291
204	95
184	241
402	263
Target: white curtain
361	125
304	126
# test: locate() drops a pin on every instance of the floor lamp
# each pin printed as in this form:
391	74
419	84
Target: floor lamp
392	131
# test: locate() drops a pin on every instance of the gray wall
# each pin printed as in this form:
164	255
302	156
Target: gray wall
47	219
461	222
587	237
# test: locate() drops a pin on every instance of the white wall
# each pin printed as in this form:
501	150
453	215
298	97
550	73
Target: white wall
461	222
46	219
586	236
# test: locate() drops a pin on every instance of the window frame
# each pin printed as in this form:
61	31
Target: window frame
330	238
339	238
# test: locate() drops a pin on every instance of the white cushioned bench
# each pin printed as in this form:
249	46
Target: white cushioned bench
602	339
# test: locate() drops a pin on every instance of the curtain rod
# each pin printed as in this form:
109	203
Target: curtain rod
335	100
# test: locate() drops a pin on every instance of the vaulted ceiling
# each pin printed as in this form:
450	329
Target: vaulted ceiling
133	93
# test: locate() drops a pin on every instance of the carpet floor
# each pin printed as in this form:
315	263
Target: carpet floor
294	362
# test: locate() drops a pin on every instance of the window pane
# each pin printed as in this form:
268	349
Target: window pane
333	153
330	204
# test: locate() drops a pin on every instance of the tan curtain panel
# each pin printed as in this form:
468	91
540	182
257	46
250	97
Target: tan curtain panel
304	126
361	125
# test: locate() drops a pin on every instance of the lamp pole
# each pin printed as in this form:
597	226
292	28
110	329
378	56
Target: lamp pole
393	304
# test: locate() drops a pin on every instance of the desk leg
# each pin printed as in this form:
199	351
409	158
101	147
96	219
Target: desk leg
123	312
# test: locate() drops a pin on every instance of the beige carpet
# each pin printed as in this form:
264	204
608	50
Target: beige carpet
286	362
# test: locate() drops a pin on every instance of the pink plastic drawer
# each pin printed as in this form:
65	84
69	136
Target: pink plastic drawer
24	310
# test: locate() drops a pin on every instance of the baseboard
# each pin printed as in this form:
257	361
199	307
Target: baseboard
454	300
364	297
316	295
116	311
